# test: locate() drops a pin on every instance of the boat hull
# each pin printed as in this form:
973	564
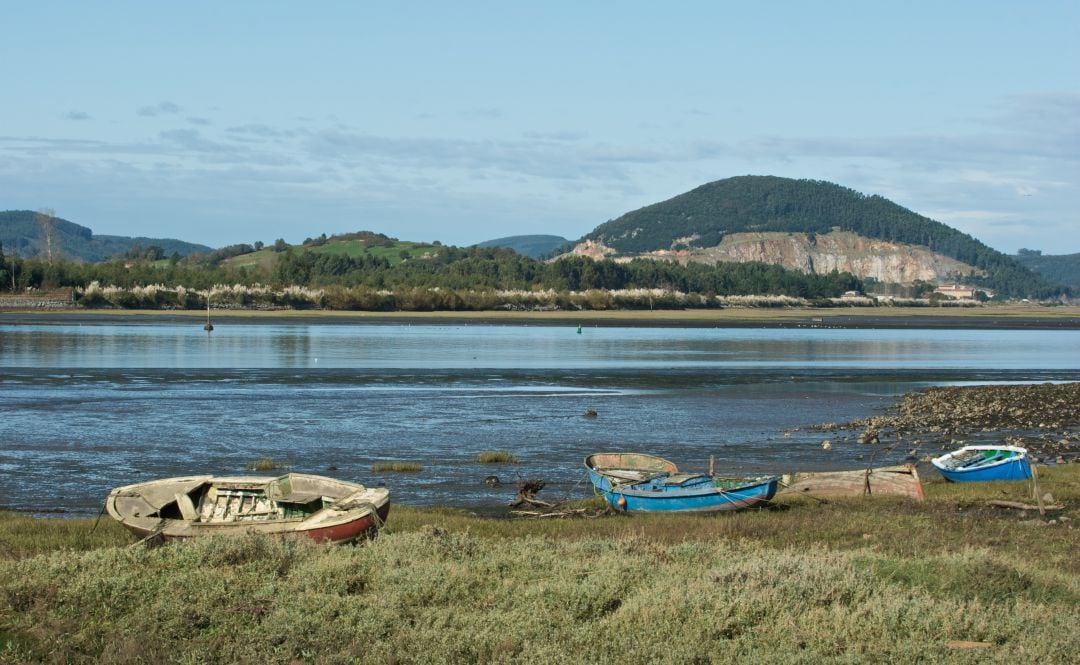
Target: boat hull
882	481
984	463
670	494
337	511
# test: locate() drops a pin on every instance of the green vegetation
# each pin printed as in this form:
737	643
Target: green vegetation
768	203
23	233
265	464
805	581
396	467
1059	269
449	279
496	457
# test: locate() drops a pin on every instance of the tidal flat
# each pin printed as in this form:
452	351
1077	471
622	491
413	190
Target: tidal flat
1019	316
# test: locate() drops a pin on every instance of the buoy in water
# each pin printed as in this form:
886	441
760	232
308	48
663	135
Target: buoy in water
579	330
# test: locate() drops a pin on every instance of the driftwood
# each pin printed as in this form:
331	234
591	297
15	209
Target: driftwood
526	495
966	644
536	514
1022	506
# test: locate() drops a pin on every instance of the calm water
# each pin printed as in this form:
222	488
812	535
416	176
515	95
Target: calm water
86	408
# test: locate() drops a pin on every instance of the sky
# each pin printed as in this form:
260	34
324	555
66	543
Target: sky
229	122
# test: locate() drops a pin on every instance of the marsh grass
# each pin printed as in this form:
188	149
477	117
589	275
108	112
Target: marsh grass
396	467
265	464
496	457
802	581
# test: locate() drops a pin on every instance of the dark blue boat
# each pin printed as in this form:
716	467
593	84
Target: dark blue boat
982	463
641	483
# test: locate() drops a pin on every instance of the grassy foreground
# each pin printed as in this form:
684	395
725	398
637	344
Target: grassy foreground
948	580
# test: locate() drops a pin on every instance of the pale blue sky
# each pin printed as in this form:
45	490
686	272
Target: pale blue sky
224	122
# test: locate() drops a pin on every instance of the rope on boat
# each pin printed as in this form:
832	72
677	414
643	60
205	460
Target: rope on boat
100	513
787	486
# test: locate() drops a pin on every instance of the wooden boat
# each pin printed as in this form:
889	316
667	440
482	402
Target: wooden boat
323	509
902	480
980	463
628	467
635	482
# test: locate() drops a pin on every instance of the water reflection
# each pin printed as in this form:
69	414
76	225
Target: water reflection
381	346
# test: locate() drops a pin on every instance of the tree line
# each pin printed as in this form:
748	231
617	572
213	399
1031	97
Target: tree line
448	269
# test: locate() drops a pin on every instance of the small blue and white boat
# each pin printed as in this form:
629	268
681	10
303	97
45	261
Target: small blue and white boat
982	463
634	482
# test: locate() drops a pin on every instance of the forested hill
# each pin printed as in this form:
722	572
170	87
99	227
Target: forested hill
704	215
1060	269
24	233
533	246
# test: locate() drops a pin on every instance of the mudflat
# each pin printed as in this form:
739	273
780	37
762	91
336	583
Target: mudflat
1000	317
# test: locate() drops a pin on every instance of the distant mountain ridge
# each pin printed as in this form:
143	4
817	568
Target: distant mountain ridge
1060	269
533	246
22	233
750	218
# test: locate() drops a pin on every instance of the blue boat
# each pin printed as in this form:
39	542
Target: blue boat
982	463
634	482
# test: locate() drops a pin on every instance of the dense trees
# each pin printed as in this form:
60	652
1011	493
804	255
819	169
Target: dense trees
438	280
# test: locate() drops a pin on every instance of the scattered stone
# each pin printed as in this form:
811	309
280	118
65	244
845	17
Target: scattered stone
826	445
589	413
492	481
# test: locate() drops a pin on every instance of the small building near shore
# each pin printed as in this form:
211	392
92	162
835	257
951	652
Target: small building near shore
961	292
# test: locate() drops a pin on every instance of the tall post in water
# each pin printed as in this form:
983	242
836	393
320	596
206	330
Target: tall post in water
209	326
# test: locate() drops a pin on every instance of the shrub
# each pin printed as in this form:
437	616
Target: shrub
396	467
496	457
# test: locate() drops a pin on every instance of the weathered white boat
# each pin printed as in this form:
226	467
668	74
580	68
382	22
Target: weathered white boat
901	480
321	508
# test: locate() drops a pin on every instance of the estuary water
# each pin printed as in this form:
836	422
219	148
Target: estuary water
84	408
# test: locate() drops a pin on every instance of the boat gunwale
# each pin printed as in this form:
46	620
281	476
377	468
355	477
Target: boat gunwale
939	462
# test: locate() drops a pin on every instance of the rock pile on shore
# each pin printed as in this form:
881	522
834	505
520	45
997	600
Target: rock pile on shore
1043	418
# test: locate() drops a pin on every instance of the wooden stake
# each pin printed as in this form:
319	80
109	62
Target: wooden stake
1035	487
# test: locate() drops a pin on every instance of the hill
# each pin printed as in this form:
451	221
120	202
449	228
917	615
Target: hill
776	208
533	246
23	232
374	248
1059	269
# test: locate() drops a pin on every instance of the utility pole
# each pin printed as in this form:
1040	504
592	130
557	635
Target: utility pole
46	218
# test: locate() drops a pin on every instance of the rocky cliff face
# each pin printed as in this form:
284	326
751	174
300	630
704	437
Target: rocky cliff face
882	260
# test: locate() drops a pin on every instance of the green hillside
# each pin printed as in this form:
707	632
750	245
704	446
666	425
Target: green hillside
533	246
22	232
704	215
1059	269
374	247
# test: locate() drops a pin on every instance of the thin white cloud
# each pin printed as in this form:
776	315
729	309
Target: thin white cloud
77	115
161	108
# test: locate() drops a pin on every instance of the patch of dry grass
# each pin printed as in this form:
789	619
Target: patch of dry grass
496	457
396	467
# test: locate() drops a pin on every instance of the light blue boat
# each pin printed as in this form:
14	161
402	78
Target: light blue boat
634	482
982	463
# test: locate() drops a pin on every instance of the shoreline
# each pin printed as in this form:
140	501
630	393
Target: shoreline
1003	317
